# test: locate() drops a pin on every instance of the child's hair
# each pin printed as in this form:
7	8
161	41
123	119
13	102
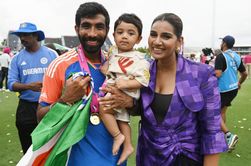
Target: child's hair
129	18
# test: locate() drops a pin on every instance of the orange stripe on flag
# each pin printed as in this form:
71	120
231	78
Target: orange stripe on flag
41	159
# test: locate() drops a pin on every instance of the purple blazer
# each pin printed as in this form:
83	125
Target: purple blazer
192	124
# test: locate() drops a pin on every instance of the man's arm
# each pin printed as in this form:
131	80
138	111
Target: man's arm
218	73
34	86
41	111
117	99
243	76
219	65
74	90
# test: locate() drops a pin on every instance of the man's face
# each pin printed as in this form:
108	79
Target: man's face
92	33
27	39
221	46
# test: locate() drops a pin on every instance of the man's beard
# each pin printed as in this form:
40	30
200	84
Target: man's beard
88	48
26	44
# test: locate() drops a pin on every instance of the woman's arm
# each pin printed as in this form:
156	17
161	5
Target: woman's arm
212	138
211	159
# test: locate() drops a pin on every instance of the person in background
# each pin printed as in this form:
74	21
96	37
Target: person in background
128	70
26	74
227	65
193	57
4	64
0	69
179	127
92	26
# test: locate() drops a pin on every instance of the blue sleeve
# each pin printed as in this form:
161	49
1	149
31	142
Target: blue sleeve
54	54
13	73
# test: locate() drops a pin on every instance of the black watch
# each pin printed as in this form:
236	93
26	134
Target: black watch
134	100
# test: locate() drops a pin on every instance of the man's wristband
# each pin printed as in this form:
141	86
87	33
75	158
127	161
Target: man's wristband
52	105
60	100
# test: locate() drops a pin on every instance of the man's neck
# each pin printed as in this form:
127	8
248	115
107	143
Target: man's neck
93	57
33	48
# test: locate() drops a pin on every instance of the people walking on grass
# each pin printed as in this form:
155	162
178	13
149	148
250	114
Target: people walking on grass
227	66
25	76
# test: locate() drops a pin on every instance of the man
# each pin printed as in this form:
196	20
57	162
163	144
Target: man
26	73
4	64
227	66
92	25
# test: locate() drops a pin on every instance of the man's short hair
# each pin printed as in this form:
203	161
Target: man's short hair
229	40
90	10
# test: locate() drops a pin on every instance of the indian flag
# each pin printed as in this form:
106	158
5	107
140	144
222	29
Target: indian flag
61	128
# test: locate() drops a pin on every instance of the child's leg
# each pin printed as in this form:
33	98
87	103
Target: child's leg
111	125
127	145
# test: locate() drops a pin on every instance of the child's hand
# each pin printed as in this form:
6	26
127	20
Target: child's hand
121	83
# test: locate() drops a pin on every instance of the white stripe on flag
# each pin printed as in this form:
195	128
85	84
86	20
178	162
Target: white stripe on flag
30	156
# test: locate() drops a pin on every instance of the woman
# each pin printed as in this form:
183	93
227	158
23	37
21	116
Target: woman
180	110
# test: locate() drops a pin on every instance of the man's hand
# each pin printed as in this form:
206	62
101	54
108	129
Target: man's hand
35	86
117	99
75	89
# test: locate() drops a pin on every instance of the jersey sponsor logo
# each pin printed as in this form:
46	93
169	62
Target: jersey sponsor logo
233	85
23	63
44	60
32	71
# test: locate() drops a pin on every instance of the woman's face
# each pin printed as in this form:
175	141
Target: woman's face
162	40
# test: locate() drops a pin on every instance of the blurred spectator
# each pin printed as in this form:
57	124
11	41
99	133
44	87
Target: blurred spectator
26	74
227	65
58	48
192	57
4	65
247	63
8	51
207	55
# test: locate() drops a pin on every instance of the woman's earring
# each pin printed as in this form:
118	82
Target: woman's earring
177	50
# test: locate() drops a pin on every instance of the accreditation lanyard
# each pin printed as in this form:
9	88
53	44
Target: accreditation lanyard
83	61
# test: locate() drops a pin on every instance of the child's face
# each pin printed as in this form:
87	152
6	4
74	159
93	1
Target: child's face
126	36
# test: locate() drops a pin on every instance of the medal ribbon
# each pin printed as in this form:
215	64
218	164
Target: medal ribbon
83	61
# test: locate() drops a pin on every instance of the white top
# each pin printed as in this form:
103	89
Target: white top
4	60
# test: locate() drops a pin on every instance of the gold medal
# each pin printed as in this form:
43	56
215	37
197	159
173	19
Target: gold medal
94	118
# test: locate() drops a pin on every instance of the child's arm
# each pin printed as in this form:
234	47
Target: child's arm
130	84
104	68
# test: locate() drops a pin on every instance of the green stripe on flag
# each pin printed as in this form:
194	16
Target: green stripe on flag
73	133
52	122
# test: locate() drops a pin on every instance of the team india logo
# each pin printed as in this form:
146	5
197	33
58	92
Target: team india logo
43	60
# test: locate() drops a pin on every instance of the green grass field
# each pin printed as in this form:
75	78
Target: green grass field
238	121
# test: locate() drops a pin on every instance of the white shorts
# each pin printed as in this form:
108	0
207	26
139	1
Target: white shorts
122	115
